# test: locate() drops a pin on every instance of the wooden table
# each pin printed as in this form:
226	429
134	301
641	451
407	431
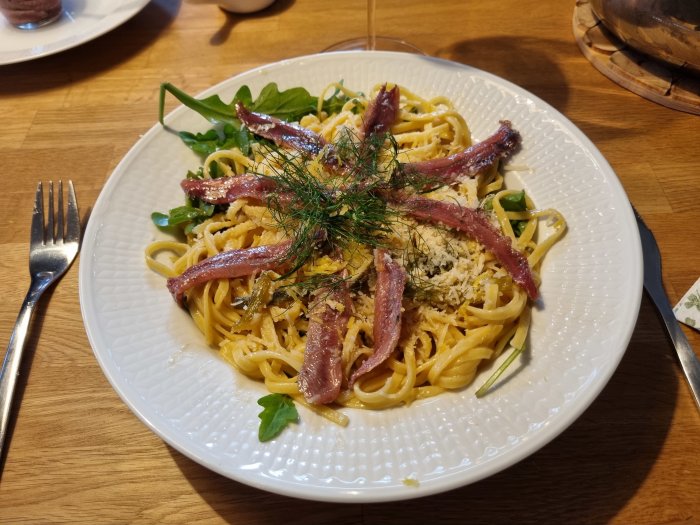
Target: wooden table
78	455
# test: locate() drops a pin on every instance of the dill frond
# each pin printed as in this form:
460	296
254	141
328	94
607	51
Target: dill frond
336	211
323	209
329	282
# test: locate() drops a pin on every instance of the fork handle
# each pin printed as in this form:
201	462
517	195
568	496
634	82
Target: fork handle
15	349
689	361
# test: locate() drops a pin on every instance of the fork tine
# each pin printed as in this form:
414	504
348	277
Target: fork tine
49	233
37	236
58	237
73	216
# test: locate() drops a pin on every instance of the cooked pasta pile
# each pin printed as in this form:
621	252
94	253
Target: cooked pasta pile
461	307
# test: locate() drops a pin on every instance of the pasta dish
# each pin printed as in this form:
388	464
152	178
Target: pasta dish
363	253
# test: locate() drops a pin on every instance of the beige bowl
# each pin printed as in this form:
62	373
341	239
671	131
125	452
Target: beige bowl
668	30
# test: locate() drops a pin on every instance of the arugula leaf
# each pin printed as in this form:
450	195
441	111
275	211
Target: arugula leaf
514	201
199	174
202	143
213	140
187	216
244	96
211	108
511	202
279	411
184	214
335	102
289	105
518	227
160	219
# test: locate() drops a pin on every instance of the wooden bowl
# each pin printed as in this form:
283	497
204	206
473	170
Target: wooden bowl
668	30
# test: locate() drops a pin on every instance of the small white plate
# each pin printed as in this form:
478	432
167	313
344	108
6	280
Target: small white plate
156	359
80	22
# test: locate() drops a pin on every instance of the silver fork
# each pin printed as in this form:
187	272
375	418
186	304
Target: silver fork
53	247
655	288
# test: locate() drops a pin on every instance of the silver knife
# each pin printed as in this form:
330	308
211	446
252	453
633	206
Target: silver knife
654	286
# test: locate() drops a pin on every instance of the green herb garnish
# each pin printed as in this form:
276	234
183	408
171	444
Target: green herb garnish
279	411
511	202
344	210
211	108
186	217
514	201
289	105
518	227
215	139
491	380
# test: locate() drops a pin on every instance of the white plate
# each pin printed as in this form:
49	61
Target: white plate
81	21
156	360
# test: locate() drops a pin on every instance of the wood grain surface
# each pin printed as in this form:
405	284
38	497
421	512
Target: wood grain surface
78	455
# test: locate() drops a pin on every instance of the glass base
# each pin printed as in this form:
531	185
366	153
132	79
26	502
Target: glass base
40	23
382	43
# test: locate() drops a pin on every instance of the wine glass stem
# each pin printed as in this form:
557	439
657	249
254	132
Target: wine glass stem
371	32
